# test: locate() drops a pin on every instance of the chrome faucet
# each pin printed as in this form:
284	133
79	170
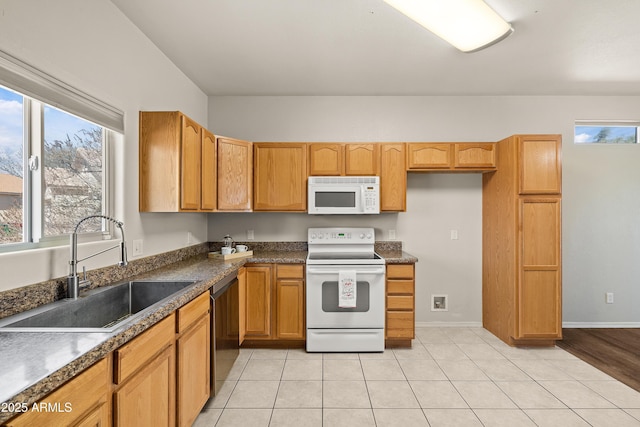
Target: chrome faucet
73	281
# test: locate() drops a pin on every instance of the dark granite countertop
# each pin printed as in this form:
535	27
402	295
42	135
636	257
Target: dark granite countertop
36	363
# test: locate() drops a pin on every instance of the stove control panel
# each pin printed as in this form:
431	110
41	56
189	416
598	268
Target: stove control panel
341	235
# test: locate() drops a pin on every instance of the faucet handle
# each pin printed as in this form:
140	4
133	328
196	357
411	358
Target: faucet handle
84	282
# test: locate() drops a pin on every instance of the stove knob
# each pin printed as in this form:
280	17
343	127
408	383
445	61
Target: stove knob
362	235
369	236
320	236
313	235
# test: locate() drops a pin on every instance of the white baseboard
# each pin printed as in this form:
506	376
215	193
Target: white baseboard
449	324
570	325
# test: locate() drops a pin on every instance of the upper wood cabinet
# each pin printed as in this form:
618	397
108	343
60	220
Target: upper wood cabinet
428	156
393	177
280	174
361	159
209	187
448	157
474	156
175	157
539	164
343	159
326	159
235	174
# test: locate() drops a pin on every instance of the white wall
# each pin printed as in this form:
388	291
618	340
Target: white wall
601	200
89	44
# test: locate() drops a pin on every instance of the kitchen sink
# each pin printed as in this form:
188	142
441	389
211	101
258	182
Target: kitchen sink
100	310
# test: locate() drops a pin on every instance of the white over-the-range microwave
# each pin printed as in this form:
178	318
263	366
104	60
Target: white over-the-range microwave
344	195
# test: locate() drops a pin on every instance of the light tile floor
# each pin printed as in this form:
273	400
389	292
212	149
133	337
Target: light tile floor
450	377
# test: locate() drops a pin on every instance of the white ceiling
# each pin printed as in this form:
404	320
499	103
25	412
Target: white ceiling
364	47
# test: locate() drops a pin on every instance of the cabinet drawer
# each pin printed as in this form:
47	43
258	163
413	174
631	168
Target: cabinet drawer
399	302
135	354
400	324
86	391
400	287
191	312
289	271
400	271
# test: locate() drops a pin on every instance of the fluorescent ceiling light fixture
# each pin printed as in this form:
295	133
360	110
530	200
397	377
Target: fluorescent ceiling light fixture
469	25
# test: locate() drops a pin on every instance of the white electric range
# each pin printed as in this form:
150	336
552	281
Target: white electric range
331	328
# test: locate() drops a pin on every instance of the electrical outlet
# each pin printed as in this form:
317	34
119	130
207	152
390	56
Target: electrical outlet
137	247
454	234
250	235
609	297
392	234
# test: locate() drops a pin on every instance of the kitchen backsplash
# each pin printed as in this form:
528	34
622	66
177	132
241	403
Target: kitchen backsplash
25	298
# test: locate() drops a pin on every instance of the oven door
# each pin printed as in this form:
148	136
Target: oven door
322	297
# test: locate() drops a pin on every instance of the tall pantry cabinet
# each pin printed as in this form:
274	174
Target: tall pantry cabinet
522	268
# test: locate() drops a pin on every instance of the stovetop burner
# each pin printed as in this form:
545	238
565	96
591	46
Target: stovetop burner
342	256
342	246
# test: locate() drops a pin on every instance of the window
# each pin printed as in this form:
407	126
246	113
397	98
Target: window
592	132
51	170
53	144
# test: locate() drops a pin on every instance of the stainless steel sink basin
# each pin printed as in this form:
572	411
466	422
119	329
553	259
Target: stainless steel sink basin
100	310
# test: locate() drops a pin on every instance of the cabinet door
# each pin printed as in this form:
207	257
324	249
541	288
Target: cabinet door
425	156
242	306
194	360
190	165
361	159
88	395
290	301
475	156
235	174
326	159
539	296
540	164
393	178
159	161
258	302
280	173
208	172
148	398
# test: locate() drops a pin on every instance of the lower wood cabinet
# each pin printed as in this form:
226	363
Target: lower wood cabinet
400	305
160	378
148	397
274	302
290	302
144	374
193	348
83	401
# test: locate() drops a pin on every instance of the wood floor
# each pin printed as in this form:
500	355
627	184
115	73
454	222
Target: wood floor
613	351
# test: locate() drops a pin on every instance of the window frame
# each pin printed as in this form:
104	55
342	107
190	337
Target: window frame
33	182
607	124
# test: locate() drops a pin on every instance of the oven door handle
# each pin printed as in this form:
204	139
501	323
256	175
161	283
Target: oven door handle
336	271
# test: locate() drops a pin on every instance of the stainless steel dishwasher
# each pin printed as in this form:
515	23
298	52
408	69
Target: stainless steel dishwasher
225	344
